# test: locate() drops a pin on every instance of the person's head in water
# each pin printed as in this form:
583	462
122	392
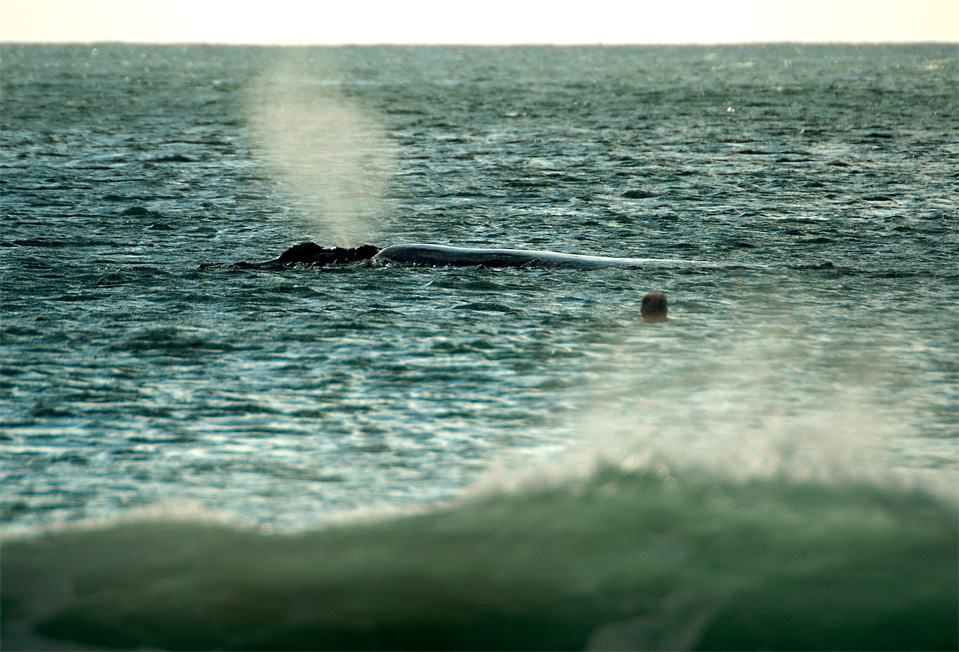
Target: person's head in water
654	308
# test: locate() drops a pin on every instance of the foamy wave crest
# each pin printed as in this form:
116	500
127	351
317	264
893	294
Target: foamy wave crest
615	561
730	417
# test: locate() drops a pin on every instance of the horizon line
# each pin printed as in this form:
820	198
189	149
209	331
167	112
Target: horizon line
489	45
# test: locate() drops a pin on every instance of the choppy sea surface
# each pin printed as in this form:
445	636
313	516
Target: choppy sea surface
420	457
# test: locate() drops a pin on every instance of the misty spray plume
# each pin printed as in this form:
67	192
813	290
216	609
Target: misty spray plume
330	154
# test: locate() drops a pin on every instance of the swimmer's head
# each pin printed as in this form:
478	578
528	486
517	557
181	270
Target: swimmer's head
654	308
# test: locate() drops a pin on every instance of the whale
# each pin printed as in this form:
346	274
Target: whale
436	255
308	254
447	256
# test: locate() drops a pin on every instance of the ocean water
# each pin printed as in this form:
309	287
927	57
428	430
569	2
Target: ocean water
408	457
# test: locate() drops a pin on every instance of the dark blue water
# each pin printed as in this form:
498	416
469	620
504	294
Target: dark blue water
808	385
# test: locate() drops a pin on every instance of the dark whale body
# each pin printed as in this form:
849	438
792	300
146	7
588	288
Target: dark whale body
431	255
308	254
445	256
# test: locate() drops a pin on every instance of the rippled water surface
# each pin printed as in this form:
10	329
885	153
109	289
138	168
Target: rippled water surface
132	377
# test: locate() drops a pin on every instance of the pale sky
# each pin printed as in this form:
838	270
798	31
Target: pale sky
295	22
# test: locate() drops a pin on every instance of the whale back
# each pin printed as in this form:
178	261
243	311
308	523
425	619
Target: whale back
446	256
